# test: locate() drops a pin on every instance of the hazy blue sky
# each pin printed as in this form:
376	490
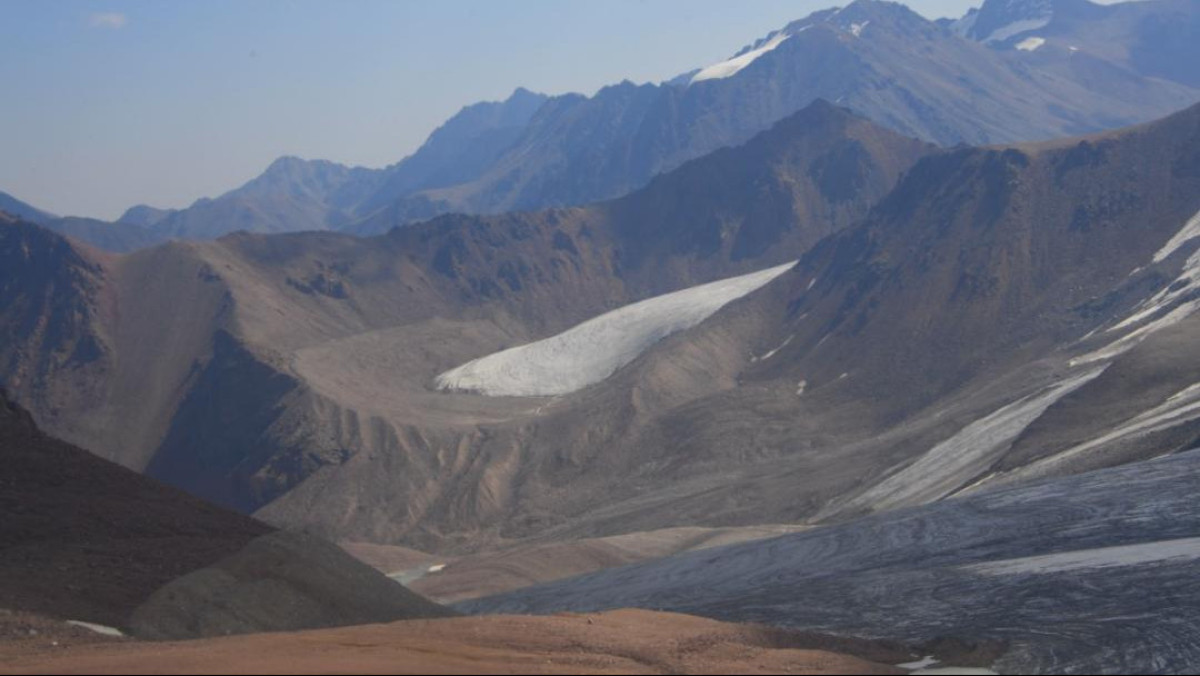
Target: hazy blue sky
108	104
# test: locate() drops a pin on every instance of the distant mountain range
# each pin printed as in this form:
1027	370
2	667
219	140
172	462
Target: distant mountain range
1014	70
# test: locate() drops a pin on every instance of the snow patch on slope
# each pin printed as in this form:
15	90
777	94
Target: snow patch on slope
97	628
771	353
1016	28
1189	231
590	352
731	67
1179	297
1030	44
927	661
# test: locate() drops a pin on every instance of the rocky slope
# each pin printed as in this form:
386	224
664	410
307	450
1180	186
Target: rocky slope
87	540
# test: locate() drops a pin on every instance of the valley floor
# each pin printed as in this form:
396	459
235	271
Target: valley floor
623	641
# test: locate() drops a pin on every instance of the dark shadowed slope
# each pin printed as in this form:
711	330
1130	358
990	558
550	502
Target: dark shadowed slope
279	582
85	539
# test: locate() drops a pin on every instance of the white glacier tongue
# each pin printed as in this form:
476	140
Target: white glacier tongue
730	67
592	351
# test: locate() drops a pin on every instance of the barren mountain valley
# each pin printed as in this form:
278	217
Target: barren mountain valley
870	349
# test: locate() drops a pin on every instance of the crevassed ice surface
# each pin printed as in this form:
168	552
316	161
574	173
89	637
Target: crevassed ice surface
590	352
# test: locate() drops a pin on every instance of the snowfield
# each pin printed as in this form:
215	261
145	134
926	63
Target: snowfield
1030	44
594	350
730	67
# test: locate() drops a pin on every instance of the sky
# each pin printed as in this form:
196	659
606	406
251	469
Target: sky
107	104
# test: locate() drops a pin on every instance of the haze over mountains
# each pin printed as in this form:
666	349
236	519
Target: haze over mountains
978	80
862	284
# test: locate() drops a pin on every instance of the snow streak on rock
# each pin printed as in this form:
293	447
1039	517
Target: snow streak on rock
1190	231
948	465
1182	549
1181	408
1179	298
730	67
1016	28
